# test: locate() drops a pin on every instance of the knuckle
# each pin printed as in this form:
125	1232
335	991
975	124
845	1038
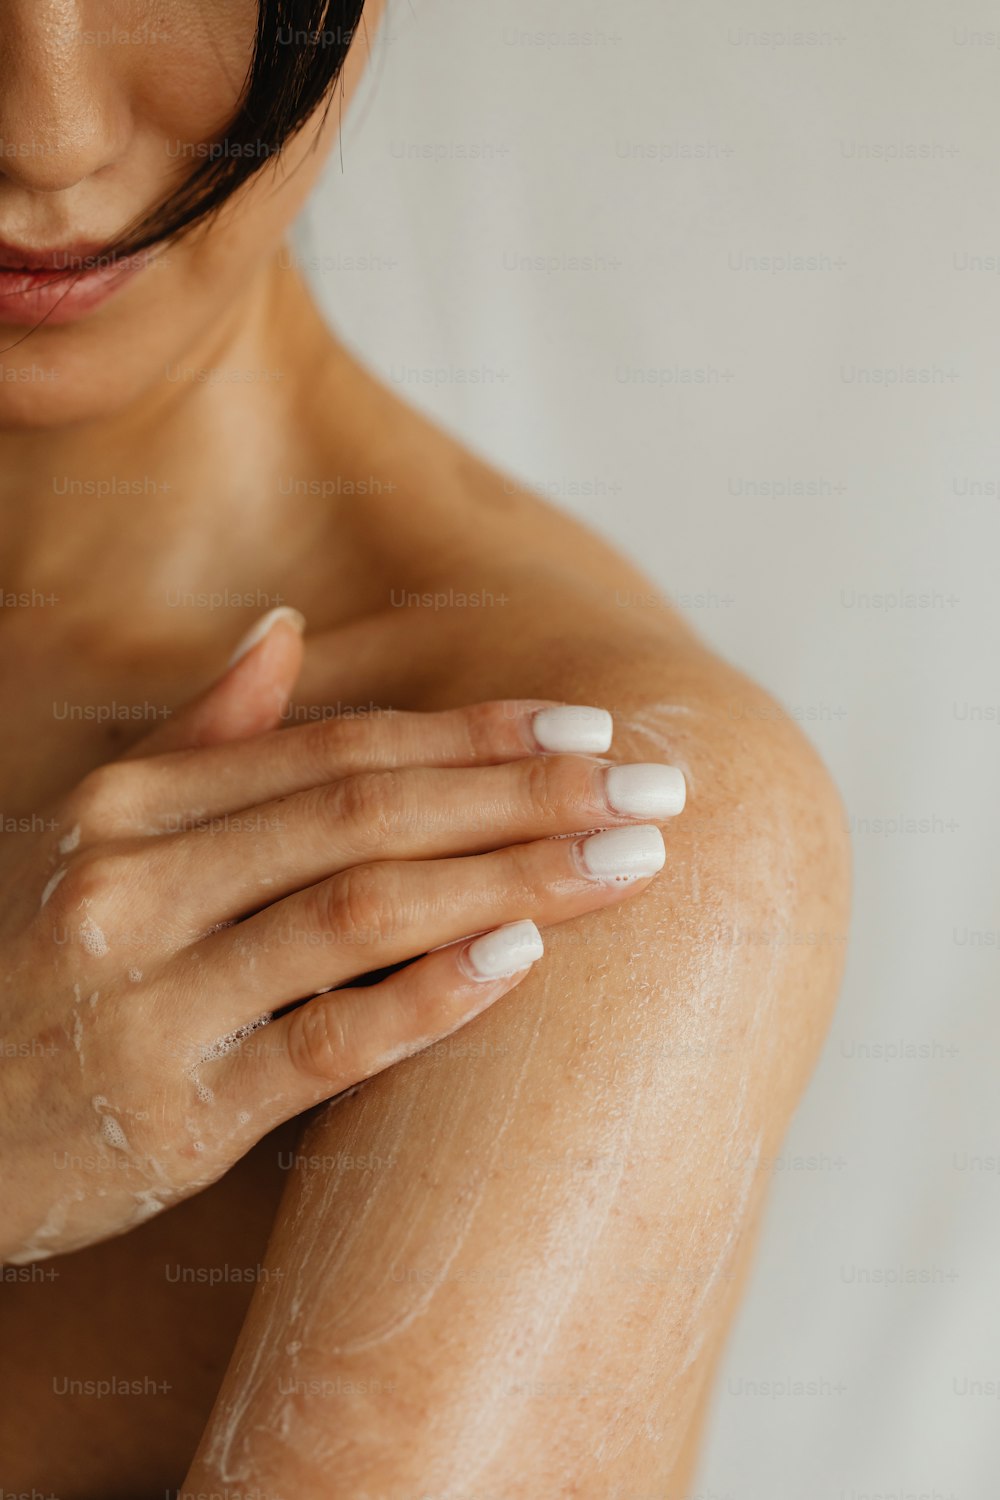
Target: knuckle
333	742
363	904
326	739
102	800
424	1013
520	876
575	789
488	728
545	788
370	803
93	882
318	1044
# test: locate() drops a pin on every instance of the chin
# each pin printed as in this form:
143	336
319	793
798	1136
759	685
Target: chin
39	392
22	402
87	371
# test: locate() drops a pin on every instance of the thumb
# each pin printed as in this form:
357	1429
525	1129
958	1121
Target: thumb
249	698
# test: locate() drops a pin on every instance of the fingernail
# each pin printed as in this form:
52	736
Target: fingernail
258	631
505	950
645	791
573	728
622	853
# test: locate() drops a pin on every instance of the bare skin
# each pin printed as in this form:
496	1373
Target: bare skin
634	1083
506	1265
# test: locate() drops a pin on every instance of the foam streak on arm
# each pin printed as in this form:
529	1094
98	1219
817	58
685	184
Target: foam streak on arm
506	1265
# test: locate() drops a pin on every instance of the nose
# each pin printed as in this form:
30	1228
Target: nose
64	112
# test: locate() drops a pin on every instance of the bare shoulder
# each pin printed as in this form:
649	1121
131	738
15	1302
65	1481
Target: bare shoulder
759	861
492	592
495	593
543	1279
529	601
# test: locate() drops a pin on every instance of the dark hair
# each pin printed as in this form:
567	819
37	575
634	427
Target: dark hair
298	54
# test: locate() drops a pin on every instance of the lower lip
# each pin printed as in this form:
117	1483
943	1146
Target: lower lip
28	298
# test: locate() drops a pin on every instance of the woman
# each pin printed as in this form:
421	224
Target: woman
505	1265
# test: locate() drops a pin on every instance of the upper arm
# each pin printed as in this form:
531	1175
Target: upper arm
511	1261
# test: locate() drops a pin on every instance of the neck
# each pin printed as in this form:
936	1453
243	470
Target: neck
180	491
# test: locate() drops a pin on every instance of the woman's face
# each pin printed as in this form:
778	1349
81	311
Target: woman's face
105	106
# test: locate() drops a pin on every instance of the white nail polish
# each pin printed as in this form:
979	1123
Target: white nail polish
623	853
645	791
504	951
574	729
258	631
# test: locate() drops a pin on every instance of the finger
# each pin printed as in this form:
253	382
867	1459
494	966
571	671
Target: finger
339	1039
249	698
237	864
184	789
374	915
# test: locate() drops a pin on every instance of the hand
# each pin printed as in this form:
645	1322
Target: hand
169	948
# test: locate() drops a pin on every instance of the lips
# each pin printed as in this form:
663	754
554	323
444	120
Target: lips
59	284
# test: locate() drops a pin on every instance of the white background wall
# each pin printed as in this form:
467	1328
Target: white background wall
671	148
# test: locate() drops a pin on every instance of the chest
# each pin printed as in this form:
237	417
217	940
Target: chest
61	717
67	710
